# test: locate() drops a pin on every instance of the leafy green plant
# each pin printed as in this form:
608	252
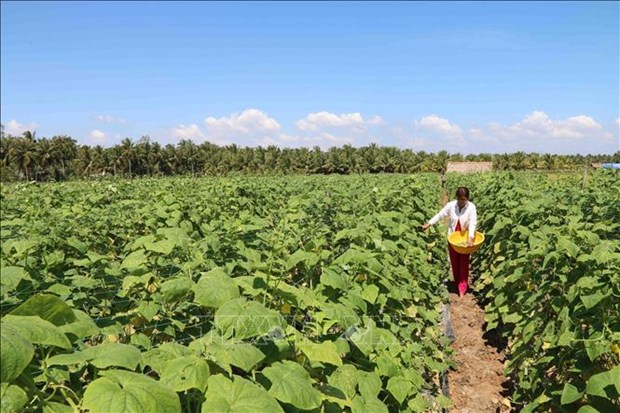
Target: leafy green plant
549	274
268	293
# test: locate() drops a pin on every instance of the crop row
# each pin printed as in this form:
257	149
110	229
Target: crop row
254	294
549	275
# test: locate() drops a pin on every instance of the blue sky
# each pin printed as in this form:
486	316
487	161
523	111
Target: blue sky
466	77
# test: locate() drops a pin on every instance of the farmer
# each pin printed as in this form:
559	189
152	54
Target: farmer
463	216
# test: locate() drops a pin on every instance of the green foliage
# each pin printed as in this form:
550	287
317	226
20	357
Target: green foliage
232	294
550	277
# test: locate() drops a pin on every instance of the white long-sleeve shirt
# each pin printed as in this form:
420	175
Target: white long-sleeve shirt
468	217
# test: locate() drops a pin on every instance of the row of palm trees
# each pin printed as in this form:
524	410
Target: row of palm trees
61	157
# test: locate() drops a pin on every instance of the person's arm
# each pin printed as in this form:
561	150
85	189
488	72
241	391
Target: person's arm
473	222
441	214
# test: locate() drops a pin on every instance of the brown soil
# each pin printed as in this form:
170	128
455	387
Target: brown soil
478	384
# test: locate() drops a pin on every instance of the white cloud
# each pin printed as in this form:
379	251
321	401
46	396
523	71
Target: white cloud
320	120
191	132
326	129
536	132
248	121
98	137
441	125
375	120
538	124
16	128
110	119
438	133
249	128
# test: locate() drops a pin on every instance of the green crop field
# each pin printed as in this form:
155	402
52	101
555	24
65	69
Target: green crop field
300	293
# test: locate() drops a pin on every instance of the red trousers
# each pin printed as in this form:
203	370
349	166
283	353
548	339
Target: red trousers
460	266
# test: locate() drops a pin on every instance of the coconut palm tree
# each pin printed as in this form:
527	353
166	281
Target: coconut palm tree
24	154
127	153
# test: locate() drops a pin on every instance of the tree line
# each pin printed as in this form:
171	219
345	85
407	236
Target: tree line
61	158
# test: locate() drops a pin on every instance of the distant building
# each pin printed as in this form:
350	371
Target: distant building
608	165
465	167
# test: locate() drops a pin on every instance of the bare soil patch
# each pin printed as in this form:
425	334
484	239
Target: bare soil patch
478	384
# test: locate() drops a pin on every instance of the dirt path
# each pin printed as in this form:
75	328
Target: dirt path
478	382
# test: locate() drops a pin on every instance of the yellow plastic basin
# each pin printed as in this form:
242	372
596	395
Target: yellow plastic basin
458	240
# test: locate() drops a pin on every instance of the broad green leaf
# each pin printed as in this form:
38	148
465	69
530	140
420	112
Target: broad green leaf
48	307
163	247
368	405
131	281
215	289
128	392
242	319
12	398
369	384
53	407
102	356
185	373
588	409
242	355
300	297
113	354
371	338
400	388
176	289
418	404
353	256
11	276
81	281
226	353
68	359
134	261
334	279
588	282
416	378
325	352
15	353
291	383
332	395
513	318
77	244
570	394
158	358
37	331
82	327
598	383
571	249
342	314
595	348
387	366
604	252
301	256
176	235
148	309
345	378
370	293
592	300
237	396
354	301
